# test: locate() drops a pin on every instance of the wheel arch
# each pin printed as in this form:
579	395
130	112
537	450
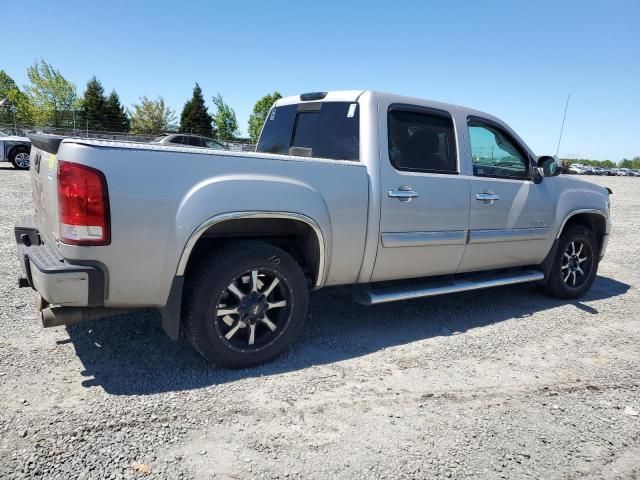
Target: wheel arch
302	230
16	148
595	220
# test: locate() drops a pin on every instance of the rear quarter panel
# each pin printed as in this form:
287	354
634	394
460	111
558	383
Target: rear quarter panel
160	195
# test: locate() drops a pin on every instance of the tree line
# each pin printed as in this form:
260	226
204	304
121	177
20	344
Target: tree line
51	100
624	163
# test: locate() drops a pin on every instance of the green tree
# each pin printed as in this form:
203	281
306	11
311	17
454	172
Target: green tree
195	117
630	163
19	103
592	163
626	163
152	116
117	119
224	119
94	114
259	114
53	97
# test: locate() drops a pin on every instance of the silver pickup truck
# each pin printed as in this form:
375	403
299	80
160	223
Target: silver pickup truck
395	197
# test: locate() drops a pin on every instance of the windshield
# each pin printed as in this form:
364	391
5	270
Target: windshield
2	134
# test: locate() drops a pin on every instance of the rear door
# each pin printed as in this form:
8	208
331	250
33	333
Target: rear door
511	216
425	201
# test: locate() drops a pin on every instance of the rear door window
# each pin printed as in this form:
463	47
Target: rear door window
321	130
194	141
422	141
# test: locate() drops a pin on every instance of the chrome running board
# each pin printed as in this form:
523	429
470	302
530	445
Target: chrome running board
373	295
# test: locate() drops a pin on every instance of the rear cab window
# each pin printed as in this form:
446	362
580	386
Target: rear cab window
313	129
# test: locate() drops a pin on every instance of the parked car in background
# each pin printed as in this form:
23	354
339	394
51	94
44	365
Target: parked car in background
15	149
400	197
189	140
576	169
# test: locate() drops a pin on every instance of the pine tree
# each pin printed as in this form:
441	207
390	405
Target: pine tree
195	117
93	107
117	118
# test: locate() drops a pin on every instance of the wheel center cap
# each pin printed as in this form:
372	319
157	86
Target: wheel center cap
253	306
573	263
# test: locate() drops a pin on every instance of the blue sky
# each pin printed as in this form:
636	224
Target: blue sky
514	59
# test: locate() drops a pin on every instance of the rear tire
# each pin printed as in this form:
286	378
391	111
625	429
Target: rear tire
245	304
575	265
19	157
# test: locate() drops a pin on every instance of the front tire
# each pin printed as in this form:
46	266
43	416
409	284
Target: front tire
19	157
575	265
245	304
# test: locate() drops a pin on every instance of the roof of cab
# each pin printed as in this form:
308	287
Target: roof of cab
353	95
335	96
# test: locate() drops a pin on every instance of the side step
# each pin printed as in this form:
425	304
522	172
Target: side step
373	295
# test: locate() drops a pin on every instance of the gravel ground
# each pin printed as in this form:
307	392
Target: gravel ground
502	383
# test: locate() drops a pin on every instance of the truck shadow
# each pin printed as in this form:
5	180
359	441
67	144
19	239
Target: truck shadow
131	355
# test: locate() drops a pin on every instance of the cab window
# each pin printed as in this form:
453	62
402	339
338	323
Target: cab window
422	140
194	141
314	129
494	153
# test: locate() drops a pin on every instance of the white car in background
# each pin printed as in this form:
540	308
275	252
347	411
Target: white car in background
576	169
15	149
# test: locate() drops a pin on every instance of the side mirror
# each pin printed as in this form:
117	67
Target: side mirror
548	166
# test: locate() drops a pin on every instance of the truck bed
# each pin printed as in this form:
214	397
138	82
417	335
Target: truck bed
160	194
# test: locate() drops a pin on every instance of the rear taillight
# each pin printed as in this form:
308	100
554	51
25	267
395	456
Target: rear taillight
83	205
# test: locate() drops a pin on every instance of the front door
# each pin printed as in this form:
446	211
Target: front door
511	216
425	202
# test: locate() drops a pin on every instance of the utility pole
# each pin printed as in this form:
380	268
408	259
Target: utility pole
563	119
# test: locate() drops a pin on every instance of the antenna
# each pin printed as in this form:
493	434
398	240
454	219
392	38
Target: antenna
563	119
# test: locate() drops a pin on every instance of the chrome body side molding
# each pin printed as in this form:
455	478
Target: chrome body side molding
195	236
509	235
424	239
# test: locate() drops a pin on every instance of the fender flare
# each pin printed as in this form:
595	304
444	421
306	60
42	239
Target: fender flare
223	217
573	213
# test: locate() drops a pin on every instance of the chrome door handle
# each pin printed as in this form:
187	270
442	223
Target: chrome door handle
403	195
487	197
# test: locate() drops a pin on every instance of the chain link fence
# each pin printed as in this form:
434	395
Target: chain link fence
22	130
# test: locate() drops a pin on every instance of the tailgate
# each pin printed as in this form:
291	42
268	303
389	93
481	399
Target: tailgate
43	170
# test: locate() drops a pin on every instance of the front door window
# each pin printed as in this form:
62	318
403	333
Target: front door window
495	154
